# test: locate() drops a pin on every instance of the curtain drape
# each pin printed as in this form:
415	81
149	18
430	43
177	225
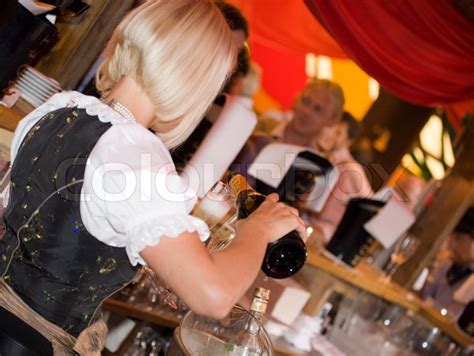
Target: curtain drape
287	26
282	32
421	51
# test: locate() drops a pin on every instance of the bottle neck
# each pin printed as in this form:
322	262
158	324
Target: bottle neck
246	198
258	309
259	302
238	184
257	312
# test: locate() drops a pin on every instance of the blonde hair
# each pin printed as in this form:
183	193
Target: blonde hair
334	89
180	52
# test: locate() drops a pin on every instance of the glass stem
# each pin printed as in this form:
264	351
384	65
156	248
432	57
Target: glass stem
392	268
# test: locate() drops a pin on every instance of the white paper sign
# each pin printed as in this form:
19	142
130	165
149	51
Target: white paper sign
393	220
273	162
220	146
290	304
384	194
36	7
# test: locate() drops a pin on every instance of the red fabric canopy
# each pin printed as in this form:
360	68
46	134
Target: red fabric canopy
282	32
287	26
422	51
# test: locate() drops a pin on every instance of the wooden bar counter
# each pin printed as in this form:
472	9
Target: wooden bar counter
322	275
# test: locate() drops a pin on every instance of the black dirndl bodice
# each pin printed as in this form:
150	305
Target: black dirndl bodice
46	255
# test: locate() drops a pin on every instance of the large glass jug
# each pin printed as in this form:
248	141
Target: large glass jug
198	336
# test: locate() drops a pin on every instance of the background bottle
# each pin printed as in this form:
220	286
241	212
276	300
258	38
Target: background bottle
466	320
351	242
283	257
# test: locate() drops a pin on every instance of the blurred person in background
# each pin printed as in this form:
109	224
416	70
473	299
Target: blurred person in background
319	105
319	123
246	85
411	189
316	110
407	188
336	141
450	284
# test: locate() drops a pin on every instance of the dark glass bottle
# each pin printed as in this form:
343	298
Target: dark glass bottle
283	257
466	320
351	242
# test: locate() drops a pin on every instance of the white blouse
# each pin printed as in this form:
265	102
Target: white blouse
131	194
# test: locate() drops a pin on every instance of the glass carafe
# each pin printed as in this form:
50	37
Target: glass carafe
198	335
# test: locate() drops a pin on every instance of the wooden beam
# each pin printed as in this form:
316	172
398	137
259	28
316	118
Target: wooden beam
8	119
449	205
393	126
81	40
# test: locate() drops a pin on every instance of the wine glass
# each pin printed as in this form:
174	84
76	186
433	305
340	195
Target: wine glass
160	292
147	342
402	252
222	236
215	205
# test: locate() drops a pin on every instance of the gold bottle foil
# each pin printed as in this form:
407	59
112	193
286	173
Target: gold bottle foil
238	184
260	300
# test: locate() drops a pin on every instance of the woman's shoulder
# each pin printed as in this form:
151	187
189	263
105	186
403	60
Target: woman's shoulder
92	106
133	145
57	101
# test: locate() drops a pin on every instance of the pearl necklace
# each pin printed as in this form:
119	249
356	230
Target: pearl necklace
122	110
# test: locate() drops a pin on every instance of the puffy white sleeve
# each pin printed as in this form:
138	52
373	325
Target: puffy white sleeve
132	196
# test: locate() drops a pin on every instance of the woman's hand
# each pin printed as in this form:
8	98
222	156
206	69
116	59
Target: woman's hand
273	220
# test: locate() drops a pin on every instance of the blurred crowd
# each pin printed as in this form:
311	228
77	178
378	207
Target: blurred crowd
318	121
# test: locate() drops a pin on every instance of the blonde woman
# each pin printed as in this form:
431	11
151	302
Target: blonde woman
94	193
